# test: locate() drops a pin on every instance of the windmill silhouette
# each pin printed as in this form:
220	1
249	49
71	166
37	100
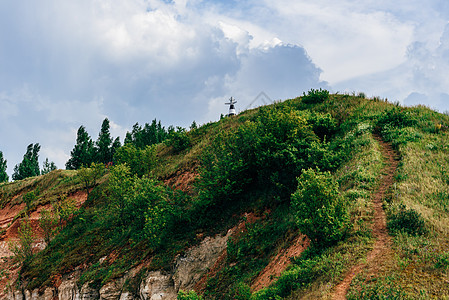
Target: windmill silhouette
231	106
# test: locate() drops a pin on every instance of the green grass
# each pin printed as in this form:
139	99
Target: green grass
419	265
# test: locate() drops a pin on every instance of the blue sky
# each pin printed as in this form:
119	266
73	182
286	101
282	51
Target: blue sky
69	63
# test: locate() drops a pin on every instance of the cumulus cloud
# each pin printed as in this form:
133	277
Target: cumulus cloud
66	64
421	79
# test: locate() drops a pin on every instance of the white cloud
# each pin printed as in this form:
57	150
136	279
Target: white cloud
66	64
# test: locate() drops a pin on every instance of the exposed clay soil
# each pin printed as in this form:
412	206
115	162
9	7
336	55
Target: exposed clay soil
377	257
282	260
236	231
7	215
182	181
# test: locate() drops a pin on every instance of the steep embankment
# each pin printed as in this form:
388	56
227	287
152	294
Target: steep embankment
211	210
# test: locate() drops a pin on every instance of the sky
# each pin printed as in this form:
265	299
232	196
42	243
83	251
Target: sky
64	63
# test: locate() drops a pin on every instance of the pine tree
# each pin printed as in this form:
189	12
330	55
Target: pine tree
104	143
48	167
30	164
3	175
83	152
115	145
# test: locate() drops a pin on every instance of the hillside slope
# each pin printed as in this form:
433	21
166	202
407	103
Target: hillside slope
280	201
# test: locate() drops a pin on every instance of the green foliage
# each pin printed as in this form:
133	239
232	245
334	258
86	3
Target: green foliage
29	198
141	161
241	291
146	136
179	139
48	222
86	152
406	220
48	167
191	295
89	176
320	211
3	175
64	209
104	150
324	125
138	206
396	117
22	249
315	96
306	269
29	166
379	290
83	153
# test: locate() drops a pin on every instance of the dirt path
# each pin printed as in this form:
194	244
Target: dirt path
382	246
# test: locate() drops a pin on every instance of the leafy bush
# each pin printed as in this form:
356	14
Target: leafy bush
179	140
140	160
324	125
23	249
315	96
396	117
406	220
319	209
191	295
138	206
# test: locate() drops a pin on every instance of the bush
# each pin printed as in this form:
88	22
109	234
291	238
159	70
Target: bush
179	140
315	96
138	206
406	220
396	117
320	211
192	295
140	161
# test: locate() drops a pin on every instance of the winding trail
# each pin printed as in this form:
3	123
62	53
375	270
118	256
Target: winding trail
382	247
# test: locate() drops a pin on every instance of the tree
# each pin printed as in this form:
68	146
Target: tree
104	142
48	167
90	175
23	248
48	222
319	209
30	164
3	175
83	152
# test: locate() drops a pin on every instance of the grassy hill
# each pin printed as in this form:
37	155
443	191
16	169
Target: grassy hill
313	165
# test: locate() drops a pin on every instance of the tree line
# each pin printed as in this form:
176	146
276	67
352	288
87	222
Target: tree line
28	167
87	151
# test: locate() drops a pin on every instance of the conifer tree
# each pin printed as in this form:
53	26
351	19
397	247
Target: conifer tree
83	152
30	164
3	175
104	143
48	167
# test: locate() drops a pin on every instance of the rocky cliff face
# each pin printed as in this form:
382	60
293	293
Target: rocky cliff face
187	270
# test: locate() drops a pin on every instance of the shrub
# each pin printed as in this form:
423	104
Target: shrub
324	125
140	161
319	209
192	295
179	140
22	249
315	96
138	206
406	220
396	117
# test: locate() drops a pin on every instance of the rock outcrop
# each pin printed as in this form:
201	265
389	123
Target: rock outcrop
187	270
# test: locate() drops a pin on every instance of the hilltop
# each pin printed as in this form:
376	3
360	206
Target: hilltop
320	197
